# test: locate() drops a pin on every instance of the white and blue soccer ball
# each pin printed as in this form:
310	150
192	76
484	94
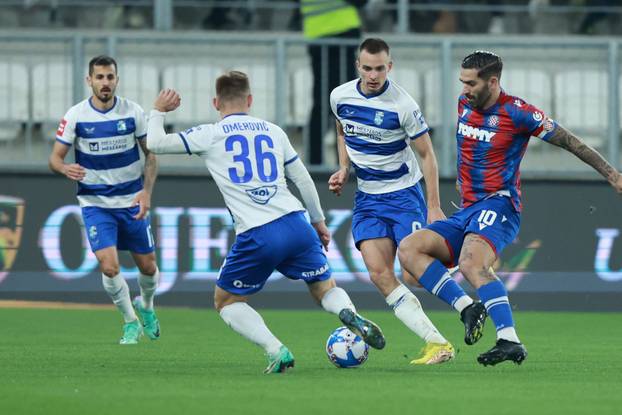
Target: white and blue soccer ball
345	349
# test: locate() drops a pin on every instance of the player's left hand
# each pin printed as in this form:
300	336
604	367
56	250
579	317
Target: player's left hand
618	184
435	213
143	200
322	232
168	100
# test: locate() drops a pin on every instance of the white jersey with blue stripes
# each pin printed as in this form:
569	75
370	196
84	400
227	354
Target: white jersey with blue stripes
246	156
378	130
105	145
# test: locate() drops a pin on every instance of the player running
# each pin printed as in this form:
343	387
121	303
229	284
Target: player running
249	159
493	131
115	200
376	122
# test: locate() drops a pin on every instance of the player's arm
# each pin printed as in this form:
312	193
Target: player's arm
340	177
297	173
423	147
57	164
143	198
566	140
158	141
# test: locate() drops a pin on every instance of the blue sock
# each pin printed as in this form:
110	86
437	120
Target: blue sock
495	299
436	279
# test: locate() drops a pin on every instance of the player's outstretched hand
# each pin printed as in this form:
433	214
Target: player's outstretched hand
168	100
618	184
337	180
74	172
435	213
143	200
322	232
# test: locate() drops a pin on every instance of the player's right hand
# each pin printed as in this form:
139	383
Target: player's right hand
322	232
74	172
168	100
337	180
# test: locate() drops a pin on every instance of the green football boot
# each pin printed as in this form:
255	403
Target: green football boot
131	332
151	324
280	362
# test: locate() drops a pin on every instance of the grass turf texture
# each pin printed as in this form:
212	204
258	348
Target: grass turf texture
68	362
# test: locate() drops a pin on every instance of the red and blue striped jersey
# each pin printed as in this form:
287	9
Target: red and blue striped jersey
491	145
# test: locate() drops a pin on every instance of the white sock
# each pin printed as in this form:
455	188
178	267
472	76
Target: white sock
148	285
336	299
462	303
508	333
243	319
408	309
119	293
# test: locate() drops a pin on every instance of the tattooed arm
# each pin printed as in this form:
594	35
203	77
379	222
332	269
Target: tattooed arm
566	140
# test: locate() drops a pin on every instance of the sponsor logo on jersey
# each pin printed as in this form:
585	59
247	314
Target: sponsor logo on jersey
518	103
316	272
61	128
419	116
362	131
475	133
379	117
262	195
537	116
94	146
89	130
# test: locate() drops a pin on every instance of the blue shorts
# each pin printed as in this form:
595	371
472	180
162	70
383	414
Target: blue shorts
288	244
393	215
107	227
494	219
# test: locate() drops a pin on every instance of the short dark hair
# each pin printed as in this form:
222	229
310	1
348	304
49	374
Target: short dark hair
102	60
374	45
233	85
486	63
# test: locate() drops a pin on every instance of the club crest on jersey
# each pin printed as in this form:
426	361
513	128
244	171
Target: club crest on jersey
493	121
261	195
94	146
93	232
121	126
379	117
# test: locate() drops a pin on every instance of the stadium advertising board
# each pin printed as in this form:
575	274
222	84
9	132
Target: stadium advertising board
569	240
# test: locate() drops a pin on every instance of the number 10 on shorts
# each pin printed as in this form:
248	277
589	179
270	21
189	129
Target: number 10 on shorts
486	218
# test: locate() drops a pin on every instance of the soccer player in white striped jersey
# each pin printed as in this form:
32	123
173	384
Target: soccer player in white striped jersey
106	131
376	122
249	159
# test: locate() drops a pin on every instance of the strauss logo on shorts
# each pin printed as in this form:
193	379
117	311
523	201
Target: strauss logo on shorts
315	273
475	133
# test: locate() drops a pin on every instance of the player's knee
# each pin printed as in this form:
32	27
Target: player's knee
409	246
110	270
148	269
381	277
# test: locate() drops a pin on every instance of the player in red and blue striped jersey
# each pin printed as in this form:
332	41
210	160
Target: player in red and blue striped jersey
492	134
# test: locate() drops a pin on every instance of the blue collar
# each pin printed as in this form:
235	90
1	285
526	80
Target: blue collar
100	111
384	88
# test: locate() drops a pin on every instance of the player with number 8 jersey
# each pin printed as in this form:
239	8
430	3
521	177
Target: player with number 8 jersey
249	159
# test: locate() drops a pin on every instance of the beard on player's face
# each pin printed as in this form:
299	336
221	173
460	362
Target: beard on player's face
104	94
478	99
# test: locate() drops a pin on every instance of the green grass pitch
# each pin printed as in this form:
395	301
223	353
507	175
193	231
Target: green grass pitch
68	362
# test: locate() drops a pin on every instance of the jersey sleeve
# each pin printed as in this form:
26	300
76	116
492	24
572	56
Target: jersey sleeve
414	123
534	122
66	132
197	140
141	123
333	104
289	154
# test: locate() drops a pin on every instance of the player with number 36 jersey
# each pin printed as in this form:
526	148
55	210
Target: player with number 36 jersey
249	159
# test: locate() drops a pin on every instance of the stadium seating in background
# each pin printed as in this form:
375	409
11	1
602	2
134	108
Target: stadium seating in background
138	81
581	102
13	99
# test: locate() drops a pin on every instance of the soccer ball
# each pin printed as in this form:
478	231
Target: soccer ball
345	349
